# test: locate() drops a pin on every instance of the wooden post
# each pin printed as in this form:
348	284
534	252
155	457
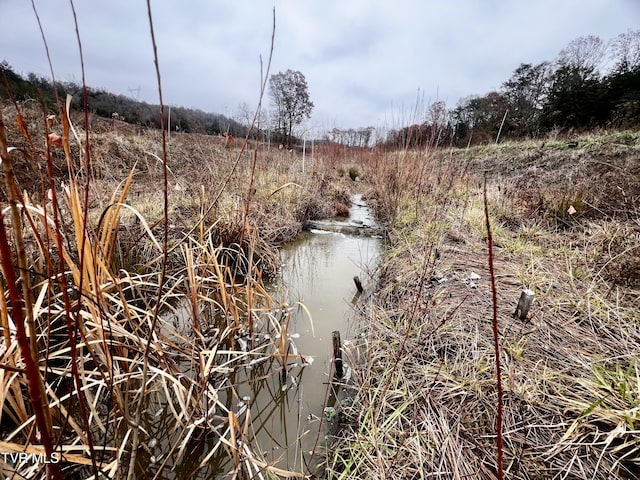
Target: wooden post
337	353
524	304
358	283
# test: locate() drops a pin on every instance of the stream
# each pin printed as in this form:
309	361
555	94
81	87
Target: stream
318	270
317	290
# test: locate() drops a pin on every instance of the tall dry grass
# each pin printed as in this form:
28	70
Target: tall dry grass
133	296
82	334
424	401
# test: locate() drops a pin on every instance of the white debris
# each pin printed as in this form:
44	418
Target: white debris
474	276
347	373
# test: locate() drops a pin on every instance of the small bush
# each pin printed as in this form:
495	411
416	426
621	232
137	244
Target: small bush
566	207
354	173
341	209
340	193
313	209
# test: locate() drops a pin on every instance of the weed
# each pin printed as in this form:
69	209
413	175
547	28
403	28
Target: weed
354	173
432	344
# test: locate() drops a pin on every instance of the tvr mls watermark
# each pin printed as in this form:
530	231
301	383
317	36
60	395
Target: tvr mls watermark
33	458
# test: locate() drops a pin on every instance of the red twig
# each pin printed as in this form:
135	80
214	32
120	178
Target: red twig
496	345
165	251
70	319
31	368
72	332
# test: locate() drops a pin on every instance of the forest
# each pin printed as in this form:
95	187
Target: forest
590	85
110	105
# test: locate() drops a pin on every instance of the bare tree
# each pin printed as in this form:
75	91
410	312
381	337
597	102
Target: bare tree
244	114
584	54
625	51
290	96
438	117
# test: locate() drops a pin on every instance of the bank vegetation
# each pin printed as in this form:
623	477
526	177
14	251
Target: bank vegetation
424	399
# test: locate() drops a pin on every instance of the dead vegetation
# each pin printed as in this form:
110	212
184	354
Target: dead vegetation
123	359
424	397
564	224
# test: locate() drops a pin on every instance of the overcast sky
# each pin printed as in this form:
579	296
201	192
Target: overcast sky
366	61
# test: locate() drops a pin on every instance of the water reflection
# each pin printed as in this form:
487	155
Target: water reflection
318	270
273	402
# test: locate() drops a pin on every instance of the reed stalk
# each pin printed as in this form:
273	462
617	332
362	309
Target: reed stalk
20	296
496	335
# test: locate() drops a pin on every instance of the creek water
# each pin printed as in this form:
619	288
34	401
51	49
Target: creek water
317	271
286	410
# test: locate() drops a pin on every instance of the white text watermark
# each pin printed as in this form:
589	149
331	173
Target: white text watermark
33	458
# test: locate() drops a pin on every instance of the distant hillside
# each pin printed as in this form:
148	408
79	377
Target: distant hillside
106	104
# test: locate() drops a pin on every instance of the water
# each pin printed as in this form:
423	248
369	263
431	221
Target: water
279	410
318	270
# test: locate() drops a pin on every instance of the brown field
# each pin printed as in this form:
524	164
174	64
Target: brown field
97	263
425	395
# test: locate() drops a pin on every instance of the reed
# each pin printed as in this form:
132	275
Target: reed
124	325
215	319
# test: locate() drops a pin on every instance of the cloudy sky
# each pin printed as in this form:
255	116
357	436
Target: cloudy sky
366	61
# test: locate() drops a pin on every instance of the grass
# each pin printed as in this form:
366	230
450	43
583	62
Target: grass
135	315
423	397
423	388
84	247
425	401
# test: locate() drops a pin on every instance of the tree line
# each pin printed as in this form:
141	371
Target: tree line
591	84
288	90
110	105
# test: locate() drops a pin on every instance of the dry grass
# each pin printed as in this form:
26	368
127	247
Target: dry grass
90	285
423	399
424	391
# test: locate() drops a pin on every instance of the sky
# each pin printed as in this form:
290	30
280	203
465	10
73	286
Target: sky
367	62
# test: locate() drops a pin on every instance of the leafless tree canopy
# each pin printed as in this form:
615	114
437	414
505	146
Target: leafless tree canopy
291	102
